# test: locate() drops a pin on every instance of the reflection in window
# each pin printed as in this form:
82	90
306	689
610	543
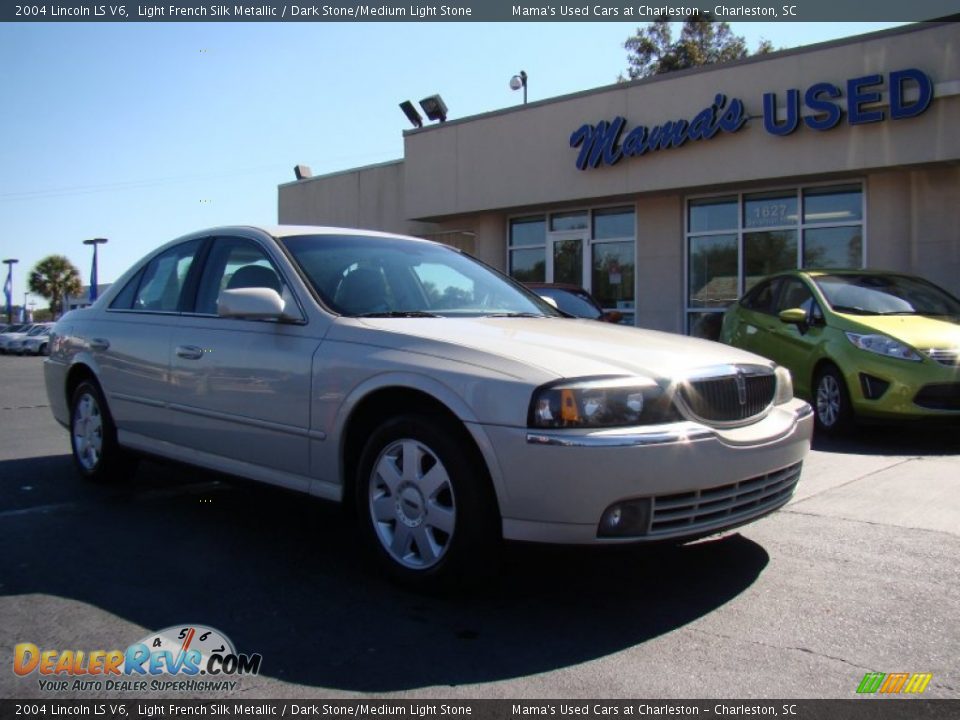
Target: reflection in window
528	265
770	209
765	253
839	247
528	231
612	274
568	221
613	223
833	204
568	261
713	271
712	214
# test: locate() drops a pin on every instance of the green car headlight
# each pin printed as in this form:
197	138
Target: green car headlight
784	386
883	345
602	403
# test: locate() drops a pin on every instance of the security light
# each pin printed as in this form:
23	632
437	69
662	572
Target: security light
411	112
302	172
520	81
434	107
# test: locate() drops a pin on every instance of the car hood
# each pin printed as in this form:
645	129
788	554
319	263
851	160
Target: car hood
561	347
923	333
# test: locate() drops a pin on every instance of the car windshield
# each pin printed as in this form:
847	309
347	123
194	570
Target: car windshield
366	276
866	294
38	330
576	303
16	328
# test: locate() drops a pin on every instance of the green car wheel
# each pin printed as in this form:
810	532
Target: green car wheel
834	413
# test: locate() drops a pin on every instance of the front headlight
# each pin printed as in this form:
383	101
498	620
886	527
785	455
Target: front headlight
784	386
601	403
883	345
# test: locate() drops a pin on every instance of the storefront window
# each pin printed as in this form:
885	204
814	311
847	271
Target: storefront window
528	265
613	274
713	214
833	204
839	247
568	221
713	271
594	249
769	210
613	223
528	231
767	252
735	240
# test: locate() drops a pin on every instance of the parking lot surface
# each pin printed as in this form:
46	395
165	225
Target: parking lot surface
858	574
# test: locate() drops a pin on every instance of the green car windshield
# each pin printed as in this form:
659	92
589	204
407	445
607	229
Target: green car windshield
871	294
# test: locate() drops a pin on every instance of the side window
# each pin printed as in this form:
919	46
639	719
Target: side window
234	263
163	279
124	299
760	299
795	294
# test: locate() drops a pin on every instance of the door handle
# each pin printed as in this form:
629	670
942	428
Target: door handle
189	352
99	344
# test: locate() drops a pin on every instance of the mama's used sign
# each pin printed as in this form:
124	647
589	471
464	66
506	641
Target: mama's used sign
606	144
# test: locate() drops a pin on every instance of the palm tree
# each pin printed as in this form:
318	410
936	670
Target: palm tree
54	277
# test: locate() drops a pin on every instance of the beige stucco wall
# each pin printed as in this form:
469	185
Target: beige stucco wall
523	158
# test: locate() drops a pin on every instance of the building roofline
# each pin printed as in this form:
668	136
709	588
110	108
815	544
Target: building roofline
717	67
335	173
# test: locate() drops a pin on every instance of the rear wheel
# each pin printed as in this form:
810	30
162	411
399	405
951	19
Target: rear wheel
93	437
425	506
834	412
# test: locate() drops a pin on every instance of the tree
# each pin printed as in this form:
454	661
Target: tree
703	41
55	277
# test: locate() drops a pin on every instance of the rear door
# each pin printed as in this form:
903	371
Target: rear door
130	341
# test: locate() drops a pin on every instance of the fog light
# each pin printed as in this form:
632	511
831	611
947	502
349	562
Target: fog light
627	518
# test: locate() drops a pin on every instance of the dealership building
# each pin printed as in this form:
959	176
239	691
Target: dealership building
669	197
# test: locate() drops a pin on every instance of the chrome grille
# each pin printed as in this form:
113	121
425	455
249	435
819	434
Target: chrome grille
724	506
945	357
729	398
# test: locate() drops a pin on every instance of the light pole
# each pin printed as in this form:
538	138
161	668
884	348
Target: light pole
23	309
93	270
8	287
520	81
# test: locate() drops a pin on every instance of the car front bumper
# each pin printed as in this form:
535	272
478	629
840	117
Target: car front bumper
882	387
556	485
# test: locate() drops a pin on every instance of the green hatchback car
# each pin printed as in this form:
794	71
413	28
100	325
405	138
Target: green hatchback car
859	343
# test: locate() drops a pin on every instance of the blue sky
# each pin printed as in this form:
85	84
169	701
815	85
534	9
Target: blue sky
141	132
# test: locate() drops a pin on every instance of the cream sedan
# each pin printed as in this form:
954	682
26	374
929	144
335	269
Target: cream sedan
446	404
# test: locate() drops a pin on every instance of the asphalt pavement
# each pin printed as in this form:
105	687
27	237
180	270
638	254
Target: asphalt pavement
858	574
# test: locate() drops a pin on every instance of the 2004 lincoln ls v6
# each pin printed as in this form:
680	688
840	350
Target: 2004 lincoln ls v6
449	405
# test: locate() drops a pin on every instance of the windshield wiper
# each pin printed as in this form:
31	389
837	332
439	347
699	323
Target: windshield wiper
399	314
515	314
854	310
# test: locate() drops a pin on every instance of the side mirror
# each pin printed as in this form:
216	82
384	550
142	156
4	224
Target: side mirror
613	316
549	301
252	303
794	316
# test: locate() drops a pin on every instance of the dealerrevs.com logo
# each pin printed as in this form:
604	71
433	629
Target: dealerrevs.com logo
186	658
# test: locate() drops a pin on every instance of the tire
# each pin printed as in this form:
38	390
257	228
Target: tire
833	412
93	438
425	504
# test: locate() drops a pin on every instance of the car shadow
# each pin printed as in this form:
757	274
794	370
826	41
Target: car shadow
282	576
890	439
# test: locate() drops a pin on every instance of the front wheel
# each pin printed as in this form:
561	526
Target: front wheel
834	412
93	437
425	505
